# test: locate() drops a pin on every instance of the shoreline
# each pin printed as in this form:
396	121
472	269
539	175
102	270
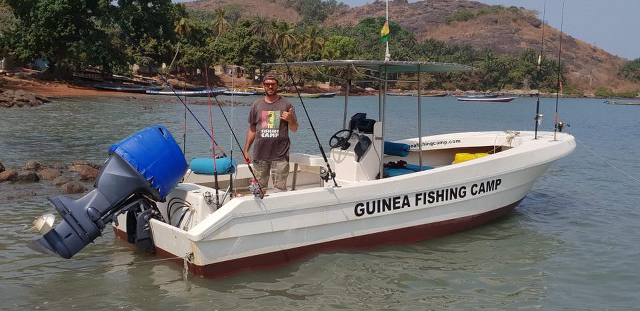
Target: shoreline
58	89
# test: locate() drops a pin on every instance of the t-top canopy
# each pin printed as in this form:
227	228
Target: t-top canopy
390	66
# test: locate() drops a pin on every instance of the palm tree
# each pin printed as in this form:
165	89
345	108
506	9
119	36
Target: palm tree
220	20
262	27
312	42
183	27
284	38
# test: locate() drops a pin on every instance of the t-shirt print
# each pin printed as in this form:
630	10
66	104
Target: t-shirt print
270	123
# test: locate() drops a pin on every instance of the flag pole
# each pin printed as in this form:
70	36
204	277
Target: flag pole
387	56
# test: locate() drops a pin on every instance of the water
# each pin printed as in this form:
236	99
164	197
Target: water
573	243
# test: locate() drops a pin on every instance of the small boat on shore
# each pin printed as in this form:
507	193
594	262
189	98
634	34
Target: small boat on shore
400	94
622	102
432	95
189	93
237	92
478	96
328	95
486	99
303	95
128	88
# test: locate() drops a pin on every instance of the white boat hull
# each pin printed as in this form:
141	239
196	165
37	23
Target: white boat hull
248	232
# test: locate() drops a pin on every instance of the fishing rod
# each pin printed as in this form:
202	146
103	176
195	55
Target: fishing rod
215	162
184	132
164	78
331	175
555	126
244	155
538	118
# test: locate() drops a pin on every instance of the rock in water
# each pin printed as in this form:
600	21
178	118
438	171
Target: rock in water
32	165
72	187
57	165
61	181
27	176
87	173
49	174
91	164
8	175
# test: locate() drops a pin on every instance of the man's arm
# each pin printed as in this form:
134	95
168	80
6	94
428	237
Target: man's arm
251	135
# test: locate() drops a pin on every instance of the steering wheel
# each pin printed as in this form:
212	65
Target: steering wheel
340	139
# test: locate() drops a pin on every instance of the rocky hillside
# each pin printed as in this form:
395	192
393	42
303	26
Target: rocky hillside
505	32
261	8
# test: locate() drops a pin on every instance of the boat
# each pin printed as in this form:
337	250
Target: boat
237	92
400	94
366	192
328	94
620	102
489	99
303	95
193	93
432	95
129	88
478	96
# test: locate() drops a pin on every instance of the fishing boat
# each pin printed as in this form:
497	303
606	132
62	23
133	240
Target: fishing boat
490	99
433	95
365	191
328	94
203	92
621	102
128	88
391	93
478	96
238	92
303	95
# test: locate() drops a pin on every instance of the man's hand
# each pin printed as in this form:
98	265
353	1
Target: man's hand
288	116
247	157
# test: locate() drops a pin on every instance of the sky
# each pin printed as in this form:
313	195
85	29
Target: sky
611	25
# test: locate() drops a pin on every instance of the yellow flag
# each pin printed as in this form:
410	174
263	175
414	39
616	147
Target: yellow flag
384	33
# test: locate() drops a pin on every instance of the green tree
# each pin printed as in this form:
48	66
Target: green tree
8	25
338	47
284	39
311	44
239	47
220	21
631	70
66	32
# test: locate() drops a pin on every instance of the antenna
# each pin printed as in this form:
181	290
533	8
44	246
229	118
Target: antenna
538	117
555	123
387	55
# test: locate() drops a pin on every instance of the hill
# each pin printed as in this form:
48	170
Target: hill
504	32
463	22
260	8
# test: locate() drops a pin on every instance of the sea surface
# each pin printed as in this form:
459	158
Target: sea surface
572	244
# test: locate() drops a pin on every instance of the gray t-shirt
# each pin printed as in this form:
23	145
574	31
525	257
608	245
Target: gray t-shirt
272	133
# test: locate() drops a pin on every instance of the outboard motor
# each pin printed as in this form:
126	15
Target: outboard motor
147	165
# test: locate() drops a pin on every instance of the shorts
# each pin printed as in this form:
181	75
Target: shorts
280	170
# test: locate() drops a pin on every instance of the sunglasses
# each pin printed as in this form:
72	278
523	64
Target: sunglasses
270	84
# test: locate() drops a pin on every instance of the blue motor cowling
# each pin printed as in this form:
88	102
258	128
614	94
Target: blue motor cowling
147	164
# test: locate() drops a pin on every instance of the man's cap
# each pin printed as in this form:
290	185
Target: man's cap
270	77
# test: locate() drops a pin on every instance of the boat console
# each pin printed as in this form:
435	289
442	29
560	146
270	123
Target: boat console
356	151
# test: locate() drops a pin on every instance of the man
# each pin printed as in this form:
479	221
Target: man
269	121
